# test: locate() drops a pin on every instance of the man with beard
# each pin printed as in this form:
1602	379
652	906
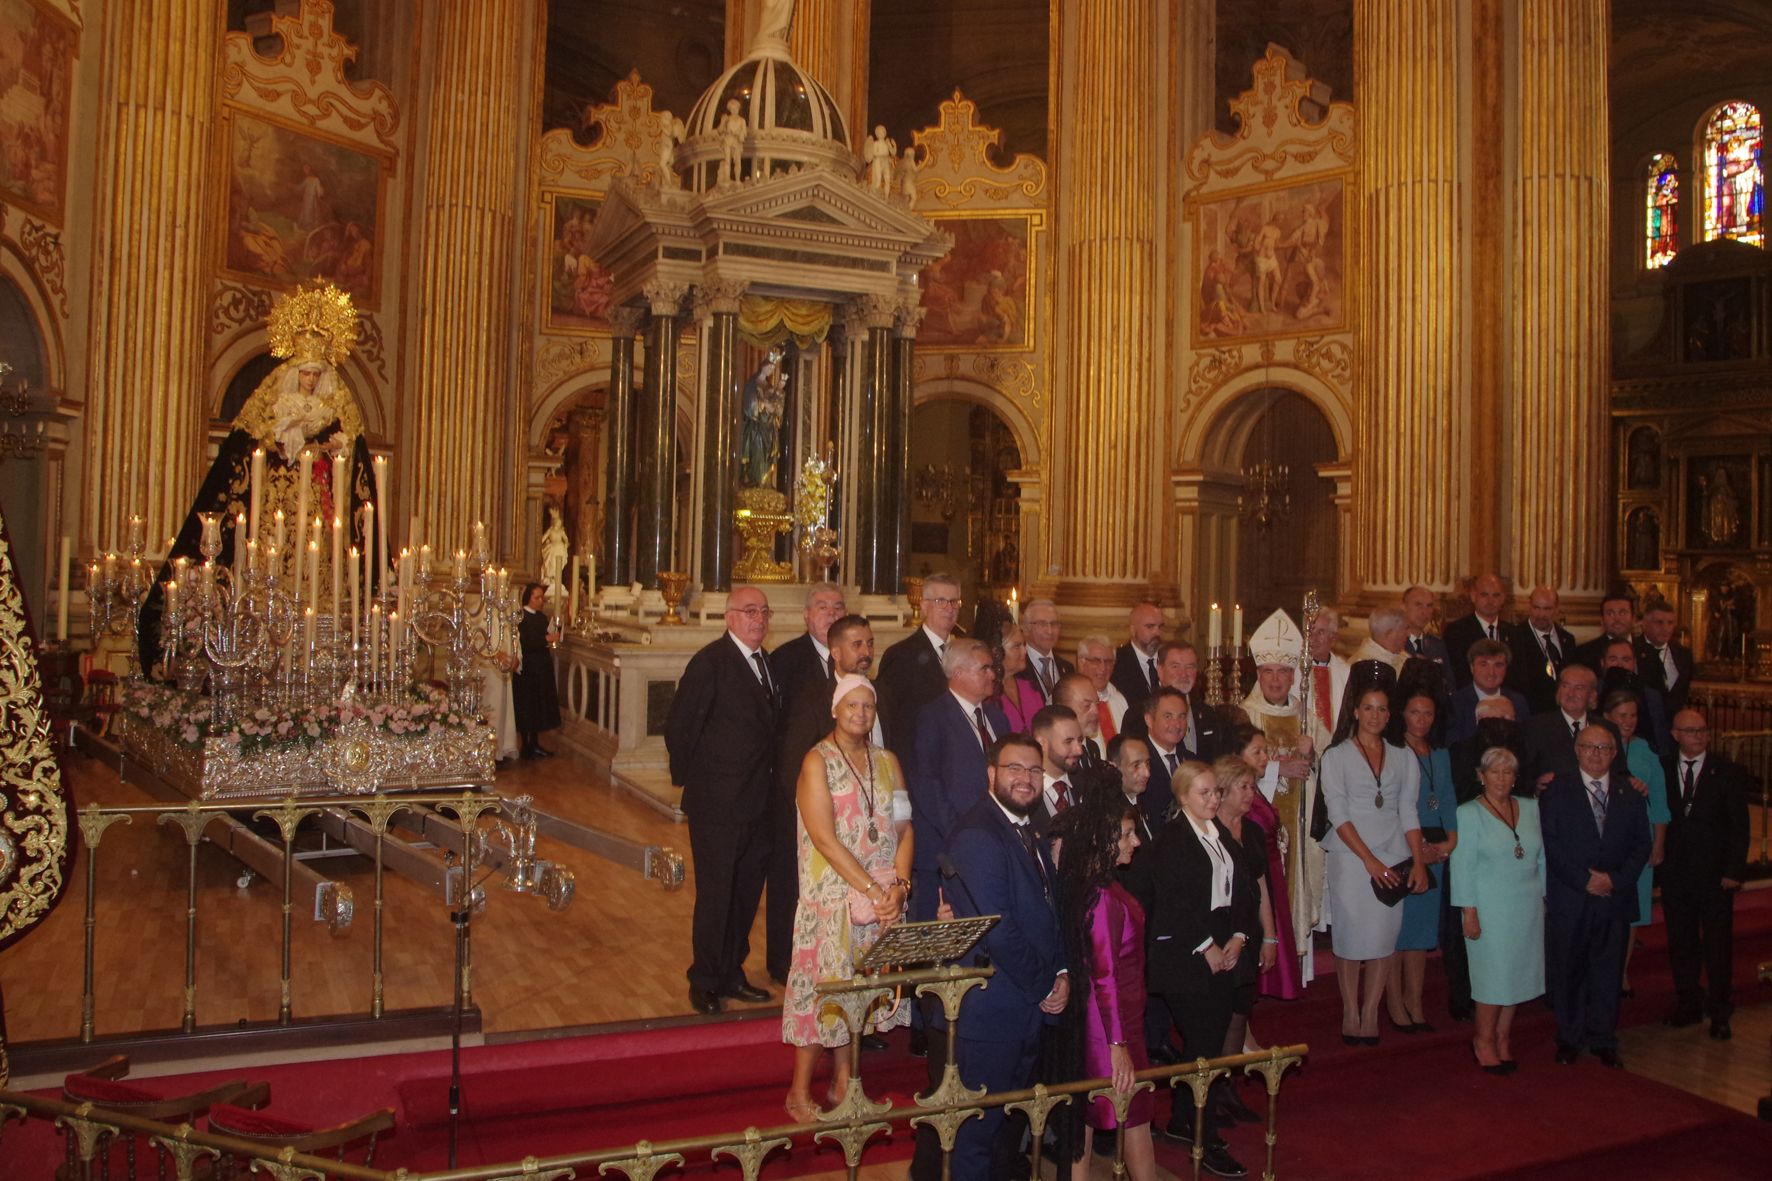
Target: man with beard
1061	752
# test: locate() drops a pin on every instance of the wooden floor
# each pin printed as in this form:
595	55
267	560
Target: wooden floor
617	955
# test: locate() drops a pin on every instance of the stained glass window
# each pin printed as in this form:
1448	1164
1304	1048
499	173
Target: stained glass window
1734	187
1662	199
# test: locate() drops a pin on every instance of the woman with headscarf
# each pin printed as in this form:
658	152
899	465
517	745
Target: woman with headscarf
855	864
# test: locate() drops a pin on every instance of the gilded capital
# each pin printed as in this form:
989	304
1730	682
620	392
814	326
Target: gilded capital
907	316
665	299
717	297
876	311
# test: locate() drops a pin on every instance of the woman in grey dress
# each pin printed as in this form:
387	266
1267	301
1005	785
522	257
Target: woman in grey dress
1369	789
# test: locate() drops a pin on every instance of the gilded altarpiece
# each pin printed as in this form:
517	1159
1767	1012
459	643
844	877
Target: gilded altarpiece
1269	301
308	182
985	335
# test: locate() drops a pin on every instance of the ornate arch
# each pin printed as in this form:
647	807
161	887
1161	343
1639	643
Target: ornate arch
253	342
1004	407
1213	434
47	322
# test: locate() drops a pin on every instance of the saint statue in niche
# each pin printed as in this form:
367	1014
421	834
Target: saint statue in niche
1643	459
1643	543
765	402
1722	507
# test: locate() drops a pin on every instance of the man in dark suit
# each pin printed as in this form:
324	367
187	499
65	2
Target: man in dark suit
1060	736
1419	608
1006	872
1540	650
721	736
1178	668
1076	693
952	734
1166	737
1039	625
1488	671
910	670
1135	661
1488	594
805	718
1596	842
1706	860
1131	757
1617	612
1663	663
1549	738
1618	670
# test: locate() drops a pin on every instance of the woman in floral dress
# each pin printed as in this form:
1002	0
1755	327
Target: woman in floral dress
855	857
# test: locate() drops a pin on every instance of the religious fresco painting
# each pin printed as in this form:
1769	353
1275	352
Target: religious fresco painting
1272	262
36	64
976	296
578	289
301	207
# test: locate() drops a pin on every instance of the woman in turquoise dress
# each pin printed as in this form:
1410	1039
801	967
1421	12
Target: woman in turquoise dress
1623	708
1498	882
1437	805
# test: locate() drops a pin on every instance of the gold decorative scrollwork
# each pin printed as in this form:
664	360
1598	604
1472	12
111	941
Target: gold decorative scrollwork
1211	369
42	248
561	359
751	1152
369	344
643	1165
307	79
957	170
1272	130
853	1139
627	133
184	1154
34	809
532	1171
1331	359
238	306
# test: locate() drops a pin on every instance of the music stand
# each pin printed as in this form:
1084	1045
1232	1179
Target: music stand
932	942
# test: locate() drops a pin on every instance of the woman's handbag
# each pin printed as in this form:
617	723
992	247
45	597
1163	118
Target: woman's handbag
1391	895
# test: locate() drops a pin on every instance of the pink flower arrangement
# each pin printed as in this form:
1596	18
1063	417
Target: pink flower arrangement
191	718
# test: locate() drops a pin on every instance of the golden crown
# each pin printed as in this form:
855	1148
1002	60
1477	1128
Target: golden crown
313	323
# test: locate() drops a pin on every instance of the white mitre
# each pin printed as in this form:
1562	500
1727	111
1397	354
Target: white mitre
1277	641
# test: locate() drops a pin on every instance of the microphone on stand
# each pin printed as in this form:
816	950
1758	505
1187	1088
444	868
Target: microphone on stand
945	865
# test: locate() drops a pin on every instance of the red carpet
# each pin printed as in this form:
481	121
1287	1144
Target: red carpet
1415	1103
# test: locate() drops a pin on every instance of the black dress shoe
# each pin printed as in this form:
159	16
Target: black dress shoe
1720	1030
1609	1059
1566	1055
873	1041
541	752
1220	1163
1510	1065
919	1044
745	991
1680	1018
1163	1054
705	1003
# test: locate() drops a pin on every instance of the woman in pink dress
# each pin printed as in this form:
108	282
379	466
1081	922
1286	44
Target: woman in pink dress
1017	695
1104	944
855	858
1283	979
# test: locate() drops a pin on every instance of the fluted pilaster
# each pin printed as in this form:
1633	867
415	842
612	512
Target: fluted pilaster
473	145
1412	475
830	40
1557	330
1107	240
149	292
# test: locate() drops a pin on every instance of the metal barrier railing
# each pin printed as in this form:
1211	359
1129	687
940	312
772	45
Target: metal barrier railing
851	1125
194	818
1753	750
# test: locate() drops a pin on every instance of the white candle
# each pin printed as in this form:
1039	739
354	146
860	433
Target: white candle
211	530
572	610
393	643
313	583
405	581
461	564
356	599
303	479
239	543
591	576
1214	628
307	622
258	486
424	562
338	530
171	599
369	551
385	514
67	588
375	643
341	492
1237	625
138	534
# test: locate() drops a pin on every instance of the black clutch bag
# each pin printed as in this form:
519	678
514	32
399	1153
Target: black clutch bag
1391	895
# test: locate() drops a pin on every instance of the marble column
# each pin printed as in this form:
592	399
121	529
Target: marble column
1106	394
1558	502
150	294
721	410
895	527
461	441
1412	475
618	466
874	430
655	500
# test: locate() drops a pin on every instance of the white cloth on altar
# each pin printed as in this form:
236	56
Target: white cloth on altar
495	700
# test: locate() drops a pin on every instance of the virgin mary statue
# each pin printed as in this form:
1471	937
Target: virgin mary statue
301	405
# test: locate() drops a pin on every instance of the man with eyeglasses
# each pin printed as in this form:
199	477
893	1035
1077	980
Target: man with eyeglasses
1006	871
1705	863
1596	842
721	737
911	673
1039	624
1095	660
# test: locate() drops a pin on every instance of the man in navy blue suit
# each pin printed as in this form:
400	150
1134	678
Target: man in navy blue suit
1006	872
947	774
1489	660
1596	842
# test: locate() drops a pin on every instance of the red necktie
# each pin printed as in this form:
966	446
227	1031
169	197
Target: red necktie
1108	729
1061	792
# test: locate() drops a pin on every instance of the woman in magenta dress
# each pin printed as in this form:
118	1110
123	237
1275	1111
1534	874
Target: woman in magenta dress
1104	944
1283	979
1017	695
